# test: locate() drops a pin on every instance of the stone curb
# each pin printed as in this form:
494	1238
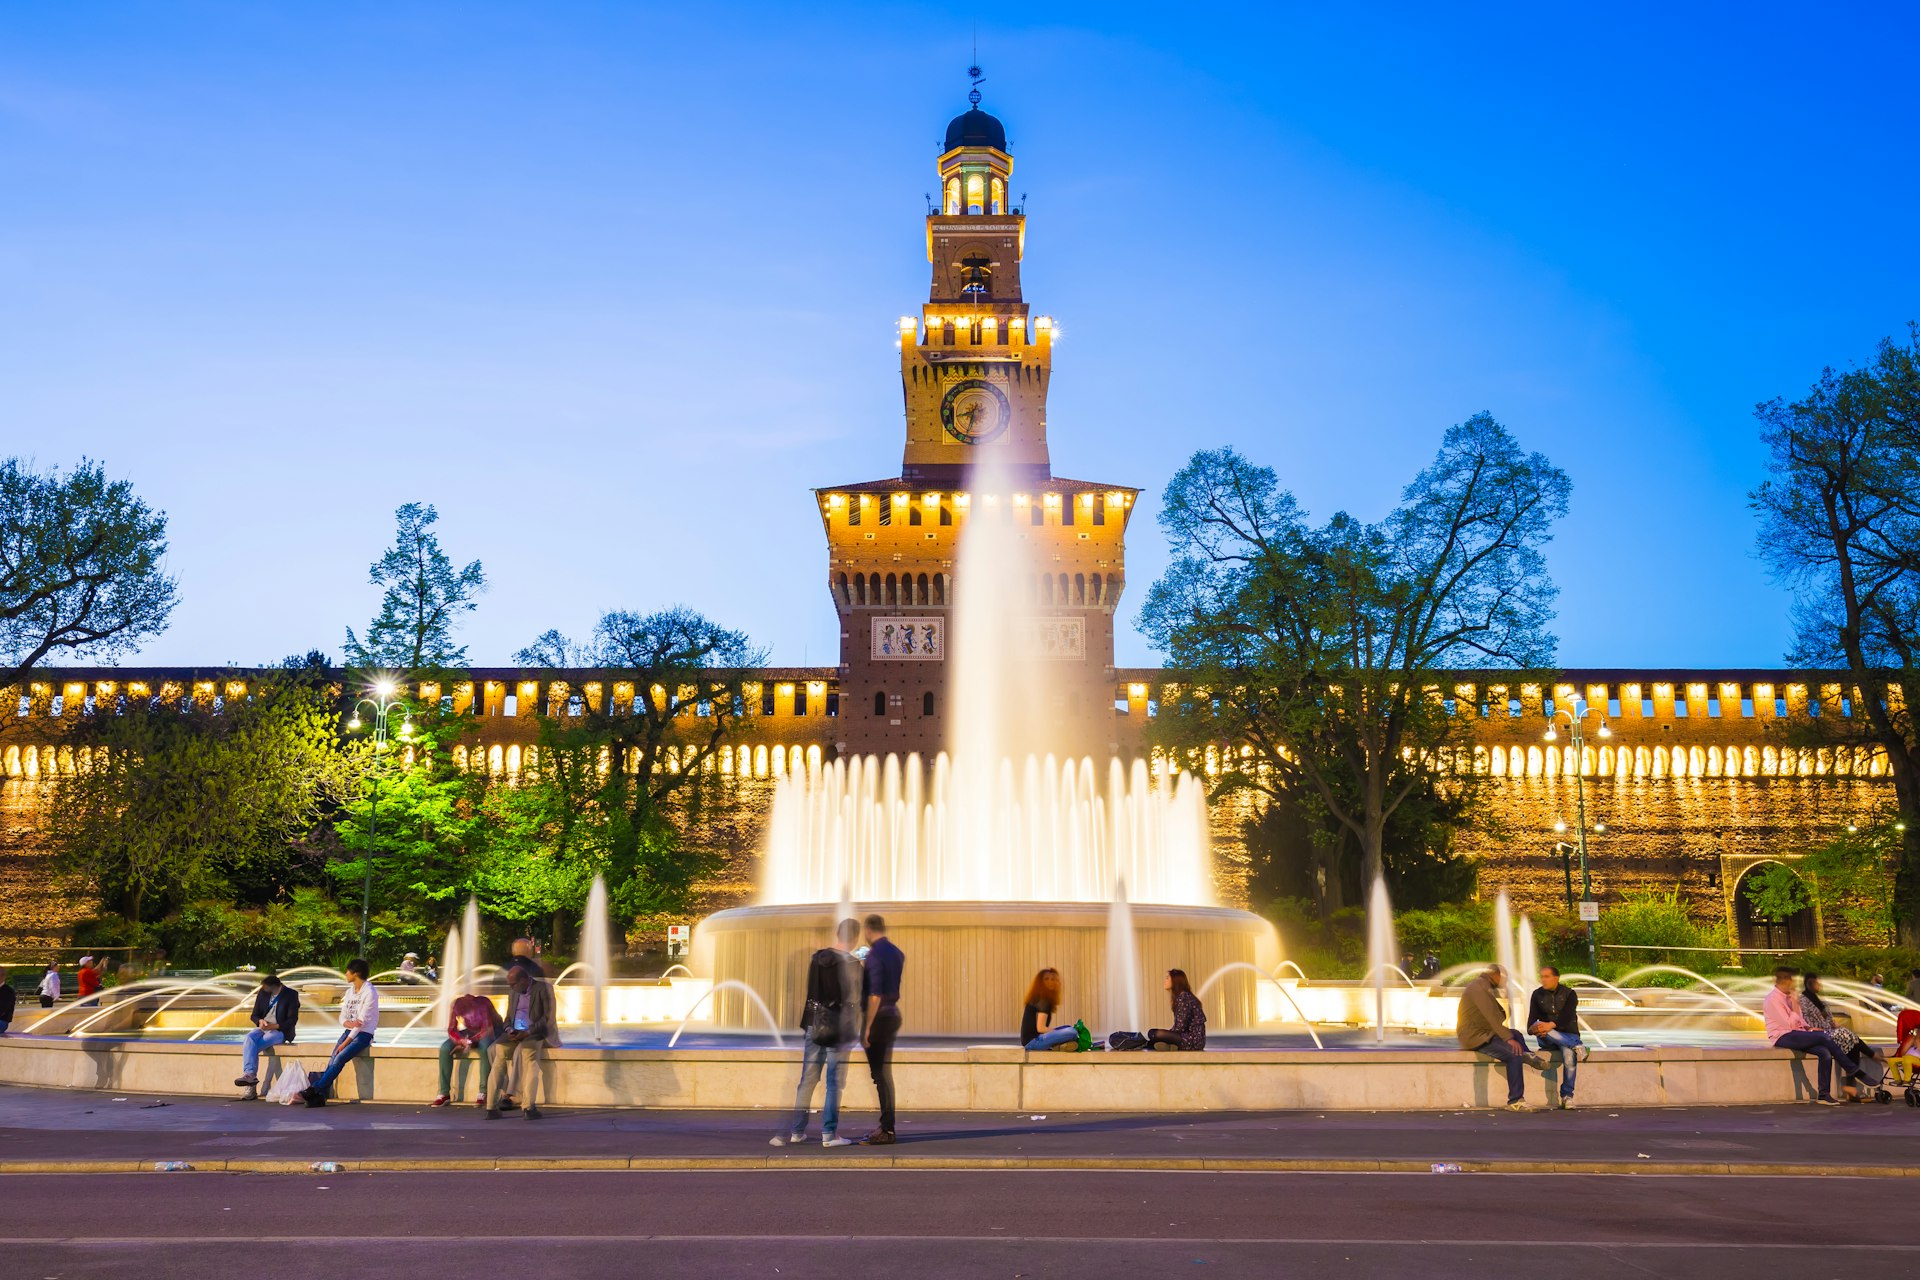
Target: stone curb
1115	1164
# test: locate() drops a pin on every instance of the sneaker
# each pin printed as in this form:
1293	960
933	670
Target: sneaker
1566	1104
1586	1051
835	1140
313	1097
246	1082
533	1113
440	1101
480	1101
251	1095
1828	1100
878	1138
788	1139
1538	1061
493	1113
1518	1106
508	1104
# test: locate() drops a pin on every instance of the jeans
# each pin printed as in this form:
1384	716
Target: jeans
881	1033
1821	1046
349	1046
1567	1045
833	1059
1514	1056
250	1048
1053	1038
482	1049
518	1060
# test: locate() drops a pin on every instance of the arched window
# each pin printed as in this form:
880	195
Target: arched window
1079	588
846	595
923	590
893	590
953	196
939	588
879	702
926	703
976	193
999	196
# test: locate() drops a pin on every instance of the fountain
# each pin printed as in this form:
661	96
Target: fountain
1382	952
1123	1010
1503	955
1003	854
1528	958
470	942
596	954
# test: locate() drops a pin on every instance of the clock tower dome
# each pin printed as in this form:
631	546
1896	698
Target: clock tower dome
974	370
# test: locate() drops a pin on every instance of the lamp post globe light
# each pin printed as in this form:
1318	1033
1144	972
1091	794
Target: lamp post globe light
1576	716
381	700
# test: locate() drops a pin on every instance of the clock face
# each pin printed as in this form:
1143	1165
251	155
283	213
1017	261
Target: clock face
975	411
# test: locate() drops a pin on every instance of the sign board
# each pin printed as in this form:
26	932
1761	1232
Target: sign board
678	936
1589	910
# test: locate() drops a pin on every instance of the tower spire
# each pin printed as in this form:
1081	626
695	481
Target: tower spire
973	74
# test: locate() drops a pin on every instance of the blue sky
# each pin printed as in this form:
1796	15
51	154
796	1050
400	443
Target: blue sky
614	285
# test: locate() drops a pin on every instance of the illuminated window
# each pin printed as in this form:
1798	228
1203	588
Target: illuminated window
886	513
800	700
833	704
853	513
766	699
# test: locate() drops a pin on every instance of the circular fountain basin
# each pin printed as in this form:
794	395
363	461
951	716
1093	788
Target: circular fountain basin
967	963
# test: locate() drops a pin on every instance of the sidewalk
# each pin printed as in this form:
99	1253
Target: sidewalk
54	1131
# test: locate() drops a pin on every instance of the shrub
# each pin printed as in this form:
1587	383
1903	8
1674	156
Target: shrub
306	928
1652	922
1859	964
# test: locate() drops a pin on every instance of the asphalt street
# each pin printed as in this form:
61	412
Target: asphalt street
938	1224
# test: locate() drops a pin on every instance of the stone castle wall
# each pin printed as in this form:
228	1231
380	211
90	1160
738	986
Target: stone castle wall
1704	774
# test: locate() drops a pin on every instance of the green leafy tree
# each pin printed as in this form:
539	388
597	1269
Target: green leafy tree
217	800
79	567
1322	648
1840	525
425	596
417	815
613	782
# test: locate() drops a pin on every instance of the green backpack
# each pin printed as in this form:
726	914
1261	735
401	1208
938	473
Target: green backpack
1086	1036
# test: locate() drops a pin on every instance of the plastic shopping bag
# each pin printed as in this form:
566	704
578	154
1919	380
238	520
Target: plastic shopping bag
292	1083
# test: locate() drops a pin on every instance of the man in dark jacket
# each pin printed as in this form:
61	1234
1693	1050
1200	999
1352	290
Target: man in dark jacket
829	1024
1553	1016
8	999
276	1014
522	1047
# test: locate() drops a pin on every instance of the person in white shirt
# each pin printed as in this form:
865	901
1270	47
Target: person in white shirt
359	1018
50	985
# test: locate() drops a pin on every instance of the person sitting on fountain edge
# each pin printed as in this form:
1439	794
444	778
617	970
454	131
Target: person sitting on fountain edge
1787	1029
1039	1021
276	1012
1482	1028
1189	1029
359	1018
1553	1015
529	1022
472	1024
829	1024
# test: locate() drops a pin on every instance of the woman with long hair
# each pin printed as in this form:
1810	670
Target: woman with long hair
1813	1008
1189	1030
1040	1021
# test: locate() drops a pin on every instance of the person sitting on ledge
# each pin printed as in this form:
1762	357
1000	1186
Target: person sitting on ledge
472	1024
276	1012
1481	1027
1037	1021
1189	1029
1787	1029
1553	1016
359	1018
522	1047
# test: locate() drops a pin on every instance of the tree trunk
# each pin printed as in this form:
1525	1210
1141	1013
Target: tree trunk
559	931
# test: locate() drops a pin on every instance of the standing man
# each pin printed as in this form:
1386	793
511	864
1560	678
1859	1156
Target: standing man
359	1019
1553	1015
529	1024
881	986
276	1012
829	1024
1787	1029
90	976
8	999
1482	1028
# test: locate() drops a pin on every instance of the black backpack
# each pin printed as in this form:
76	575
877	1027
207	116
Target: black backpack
1123	1041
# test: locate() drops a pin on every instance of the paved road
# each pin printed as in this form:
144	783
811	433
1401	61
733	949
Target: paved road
844	1224
39	1124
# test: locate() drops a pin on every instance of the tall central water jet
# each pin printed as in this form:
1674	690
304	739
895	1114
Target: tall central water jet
1382	953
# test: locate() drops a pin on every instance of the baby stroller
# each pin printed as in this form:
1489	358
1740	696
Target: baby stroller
1908	1024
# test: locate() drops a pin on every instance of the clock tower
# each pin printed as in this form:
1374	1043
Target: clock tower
974	371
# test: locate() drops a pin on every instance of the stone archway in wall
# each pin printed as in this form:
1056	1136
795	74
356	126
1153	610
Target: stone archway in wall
1801	929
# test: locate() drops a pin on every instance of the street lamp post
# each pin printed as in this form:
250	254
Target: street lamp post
1576	716
381	701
